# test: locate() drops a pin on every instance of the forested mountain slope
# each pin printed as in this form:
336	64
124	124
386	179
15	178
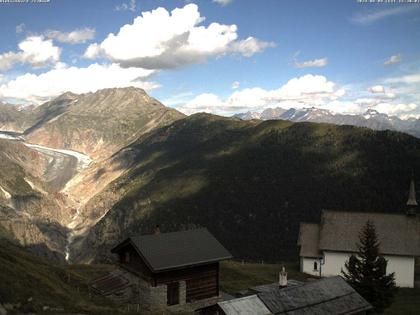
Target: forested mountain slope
250	182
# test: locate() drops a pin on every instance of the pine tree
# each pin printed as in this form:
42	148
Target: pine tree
366	271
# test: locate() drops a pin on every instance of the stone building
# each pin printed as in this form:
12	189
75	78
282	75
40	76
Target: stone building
176	271
325	247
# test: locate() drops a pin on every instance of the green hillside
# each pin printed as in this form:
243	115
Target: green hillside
32	284
252	183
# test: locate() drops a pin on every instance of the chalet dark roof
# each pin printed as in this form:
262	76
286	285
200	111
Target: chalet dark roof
309	240
327	296
248	305
398	234
274	286
166	251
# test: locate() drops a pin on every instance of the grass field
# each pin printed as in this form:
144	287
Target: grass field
235	276
33	283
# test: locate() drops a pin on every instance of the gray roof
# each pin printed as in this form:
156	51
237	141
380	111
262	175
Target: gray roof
249	305
326	296
398	234
309	240
166	251
274	286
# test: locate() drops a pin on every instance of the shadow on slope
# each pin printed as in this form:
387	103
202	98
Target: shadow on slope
252	183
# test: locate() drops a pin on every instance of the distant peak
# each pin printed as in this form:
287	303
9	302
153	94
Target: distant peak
130	89
67	95
371	111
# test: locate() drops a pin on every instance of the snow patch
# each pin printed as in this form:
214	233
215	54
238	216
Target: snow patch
6	193
33	186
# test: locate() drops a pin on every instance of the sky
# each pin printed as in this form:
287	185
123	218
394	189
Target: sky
217	56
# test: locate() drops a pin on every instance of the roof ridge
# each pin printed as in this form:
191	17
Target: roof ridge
167	233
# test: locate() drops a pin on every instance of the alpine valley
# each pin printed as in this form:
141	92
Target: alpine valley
81	172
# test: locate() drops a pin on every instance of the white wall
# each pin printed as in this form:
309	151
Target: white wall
401	265
307	266
404	270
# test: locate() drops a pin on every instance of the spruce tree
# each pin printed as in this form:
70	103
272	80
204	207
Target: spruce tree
366	271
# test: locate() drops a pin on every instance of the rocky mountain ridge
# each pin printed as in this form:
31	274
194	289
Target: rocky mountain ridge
370	119
98	124
152	165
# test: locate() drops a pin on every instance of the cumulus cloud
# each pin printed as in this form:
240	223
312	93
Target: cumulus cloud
126	6
92	51
392	60
305	91
376	89
81	35
370	17
223	2
40	88
34	50
160	39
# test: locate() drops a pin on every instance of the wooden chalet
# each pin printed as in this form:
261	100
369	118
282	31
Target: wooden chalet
178	270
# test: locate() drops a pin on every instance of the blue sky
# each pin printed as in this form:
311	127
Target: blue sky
217	56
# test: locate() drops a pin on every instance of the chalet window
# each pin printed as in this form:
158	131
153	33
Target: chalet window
315	266
127	257
173	293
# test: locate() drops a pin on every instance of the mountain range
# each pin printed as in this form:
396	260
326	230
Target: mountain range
250	183
370	119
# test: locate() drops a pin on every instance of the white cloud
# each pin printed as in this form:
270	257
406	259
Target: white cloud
20	28
305	91
312	63
7	60
406	79
343	107
81	35
250	46
223	2
40	88
322	62
367	102
160	39
376	89
206	102
176	99
392	60
126	6
395	109
34	50
236	85
369	17
92	51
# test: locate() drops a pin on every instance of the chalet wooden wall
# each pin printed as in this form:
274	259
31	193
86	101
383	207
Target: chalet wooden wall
135	263
202	281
